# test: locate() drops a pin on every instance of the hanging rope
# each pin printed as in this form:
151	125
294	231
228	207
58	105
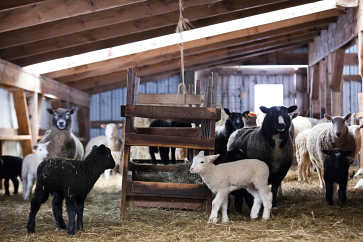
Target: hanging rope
183	24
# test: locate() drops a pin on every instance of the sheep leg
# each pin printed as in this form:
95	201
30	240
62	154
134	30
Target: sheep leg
216	205
71	210
27	185
266	197
329	191
238	199
6	184
173	159
274	190
256	203
79	211
152	151
57	207
164	154
40	197
342	193
16	184
225	218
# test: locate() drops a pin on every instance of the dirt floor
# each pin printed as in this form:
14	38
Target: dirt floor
302	214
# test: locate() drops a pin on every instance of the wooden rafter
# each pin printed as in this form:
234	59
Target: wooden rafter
246	27
52	10
14	76
94	38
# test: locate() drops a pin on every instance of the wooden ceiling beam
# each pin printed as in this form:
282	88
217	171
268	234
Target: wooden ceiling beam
52	10
80	23
18	3
220	12
14	76
198	59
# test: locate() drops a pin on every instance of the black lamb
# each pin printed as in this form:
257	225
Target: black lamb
71	180
336	167
10	169
234	122
164	151
270	143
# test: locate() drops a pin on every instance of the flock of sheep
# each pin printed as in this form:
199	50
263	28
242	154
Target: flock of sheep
248	159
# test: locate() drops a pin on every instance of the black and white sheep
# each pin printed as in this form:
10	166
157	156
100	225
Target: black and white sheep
235	121
329	136
270	143
71	180
10	169
336	168
62	142
251	174
30	166
164	151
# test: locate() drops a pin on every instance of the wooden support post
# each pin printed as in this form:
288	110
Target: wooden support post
83	123
323	80
22	115
314	91
335	72
35	106
302	97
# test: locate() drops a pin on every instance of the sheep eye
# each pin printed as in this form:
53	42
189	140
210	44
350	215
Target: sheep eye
201	162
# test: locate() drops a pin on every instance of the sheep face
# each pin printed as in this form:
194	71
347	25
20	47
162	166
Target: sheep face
62	118
200	162
277	118
235	120
339	126
42	149
111	130
102	153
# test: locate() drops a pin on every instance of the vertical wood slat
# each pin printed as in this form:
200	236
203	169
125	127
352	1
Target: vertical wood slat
22	115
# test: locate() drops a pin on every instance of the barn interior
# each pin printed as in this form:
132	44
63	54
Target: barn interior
87	53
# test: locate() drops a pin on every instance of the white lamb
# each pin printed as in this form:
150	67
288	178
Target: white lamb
251	174
30	166
302	155
112	140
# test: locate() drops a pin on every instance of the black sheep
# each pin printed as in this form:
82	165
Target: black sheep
71	180
10	169
164	151
234	122
270	143
336	167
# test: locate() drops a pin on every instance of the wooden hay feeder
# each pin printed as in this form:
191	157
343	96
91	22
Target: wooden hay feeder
165	194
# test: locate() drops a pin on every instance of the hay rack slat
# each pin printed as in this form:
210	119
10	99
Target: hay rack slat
176	107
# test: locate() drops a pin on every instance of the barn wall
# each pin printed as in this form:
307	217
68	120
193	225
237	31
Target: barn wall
106	105
351	88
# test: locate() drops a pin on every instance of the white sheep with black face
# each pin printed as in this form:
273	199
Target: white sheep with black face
251	174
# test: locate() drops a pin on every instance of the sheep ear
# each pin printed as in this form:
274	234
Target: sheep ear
201	153
226	110
291	108
74	109
212	158
50	111
346	117
264	109
245	114
294	115
328	117
103	126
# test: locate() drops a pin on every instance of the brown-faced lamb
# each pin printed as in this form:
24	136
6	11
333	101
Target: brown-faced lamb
30	166
10	169
329	136
62	142
336	168
112	140
71	180
251	174
270	143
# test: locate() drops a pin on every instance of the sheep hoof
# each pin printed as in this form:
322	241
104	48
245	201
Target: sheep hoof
225	220
213	220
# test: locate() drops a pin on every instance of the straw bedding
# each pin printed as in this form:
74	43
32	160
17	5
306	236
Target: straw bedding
301	215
